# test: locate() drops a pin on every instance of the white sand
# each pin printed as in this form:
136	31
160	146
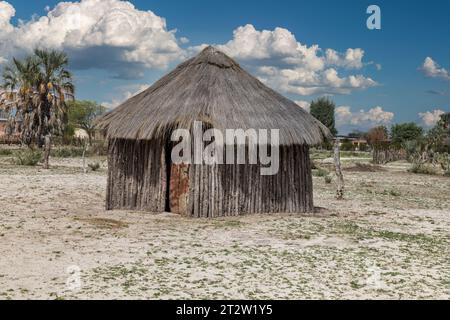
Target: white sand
389	239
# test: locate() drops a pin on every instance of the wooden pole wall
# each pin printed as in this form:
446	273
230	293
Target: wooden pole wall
137	181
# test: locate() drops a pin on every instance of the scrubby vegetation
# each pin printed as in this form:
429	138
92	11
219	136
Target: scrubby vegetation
422	169
67	152
6	152
27	157
35	90
94	166
320	172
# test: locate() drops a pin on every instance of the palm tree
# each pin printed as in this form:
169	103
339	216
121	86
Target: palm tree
35	93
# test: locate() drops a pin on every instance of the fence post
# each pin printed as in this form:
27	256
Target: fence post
339	176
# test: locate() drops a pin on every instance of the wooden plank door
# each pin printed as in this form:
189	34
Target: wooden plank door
179	188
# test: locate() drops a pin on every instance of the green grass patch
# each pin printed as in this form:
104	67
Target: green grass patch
27	157
320	172
6	152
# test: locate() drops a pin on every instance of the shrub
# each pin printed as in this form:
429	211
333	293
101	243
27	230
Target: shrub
347	146
326	145
320	172
363	147
422	169
28	157
444	160
5	152
444	148
328	179
391	192
94	166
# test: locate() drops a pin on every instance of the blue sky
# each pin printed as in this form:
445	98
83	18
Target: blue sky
393	85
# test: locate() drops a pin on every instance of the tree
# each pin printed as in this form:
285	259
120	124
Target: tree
82	115
444	122
403	132
323	110
377	135
439	133
36	89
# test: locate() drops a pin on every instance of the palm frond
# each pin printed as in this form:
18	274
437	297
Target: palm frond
36	88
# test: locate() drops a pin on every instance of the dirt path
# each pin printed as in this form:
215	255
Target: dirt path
389	239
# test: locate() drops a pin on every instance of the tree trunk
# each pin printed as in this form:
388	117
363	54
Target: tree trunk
339	176
47	147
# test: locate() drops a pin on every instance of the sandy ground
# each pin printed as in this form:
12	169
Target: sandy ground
390	239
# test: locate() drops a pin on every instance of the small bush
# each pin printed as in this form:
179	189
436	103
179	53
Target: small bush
347	146
391	192
94	166
5	152
422	169
320	172
28	157
363	147
328	179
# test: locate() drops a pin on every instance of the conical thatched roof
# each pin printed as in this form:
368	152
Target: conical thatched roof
212	88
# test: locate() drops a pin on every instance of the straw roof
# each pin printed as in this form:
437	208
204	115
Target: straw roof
212	88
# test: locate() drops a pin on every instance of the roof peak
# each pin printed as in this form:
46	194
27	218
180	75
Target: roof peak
211	87
213	56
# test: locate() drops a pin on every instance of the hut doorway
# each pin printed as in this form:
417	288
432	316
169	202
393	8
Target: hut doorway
177	184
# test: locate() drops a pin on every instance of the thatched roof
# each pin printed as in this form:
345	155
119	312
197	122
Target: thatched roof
212	88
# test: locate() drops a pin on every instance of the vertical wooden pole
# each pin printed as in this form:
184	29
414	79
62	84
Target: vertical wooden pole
47	147
84	157
339	176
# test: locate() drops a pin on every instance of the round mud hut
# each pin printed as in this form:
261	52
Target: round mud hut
211	89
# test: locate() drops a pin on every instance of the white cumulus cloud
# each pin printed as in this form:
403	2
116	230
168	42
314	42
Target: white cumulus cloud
125	94
352	58
184	40
375	116
430	118
433	70
304	104
106	34
279	60
114	35
7	11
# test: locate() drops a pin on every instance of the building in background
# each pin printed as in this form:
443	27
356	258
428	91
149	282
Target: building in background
6	138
